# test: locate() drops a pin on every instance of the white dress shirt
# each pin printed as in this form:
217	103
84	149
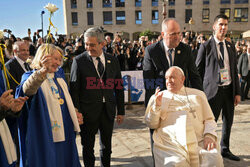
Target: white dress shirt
102	58
166	52
21	62
225	60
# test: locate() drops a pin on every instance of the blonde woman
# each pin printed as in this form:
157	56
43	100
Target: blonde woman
49	120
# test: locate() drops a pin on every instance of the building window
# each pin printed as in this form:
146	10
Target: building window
120	17
155	17
225	11
171	2
74	18
171	13
188	2
73	4
107	3
89	4
137	3
90	18
225	1
240	14
240	1
205	15
107	18
188	15
154	2
119	3
138	17
205	2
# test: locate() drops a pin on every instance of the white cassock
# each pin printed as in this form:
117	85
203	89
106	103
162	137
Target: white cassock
180	124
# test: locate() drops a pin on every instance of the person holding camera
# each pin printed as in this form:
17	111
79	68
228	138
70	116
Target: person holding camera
109	48
141	53
79	48
68	62
119	50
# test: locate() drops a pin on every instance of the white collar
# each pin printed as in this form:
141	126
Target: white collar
101	57
166	47
20	61
180	92
218	41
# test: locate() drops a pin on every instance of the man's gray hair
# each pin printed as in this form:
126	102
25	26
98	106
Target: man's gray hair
177	68
95	32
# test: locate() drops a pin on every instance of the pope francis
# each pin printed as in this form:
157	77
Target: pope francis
184	125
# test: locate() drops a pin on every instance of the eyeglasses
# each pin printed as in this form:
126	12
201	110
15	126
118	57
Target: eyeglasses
174	34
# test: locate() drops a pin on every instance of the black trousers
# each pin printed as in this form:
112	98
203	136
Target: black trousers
88	132
224	101
245	84
152	145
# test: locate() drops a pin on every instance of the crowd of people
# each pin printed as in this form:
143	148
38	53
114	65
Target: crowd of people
129	53
40	115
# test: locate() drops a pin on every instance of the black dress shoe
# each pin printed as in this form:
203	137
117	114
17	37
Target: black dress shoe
229	155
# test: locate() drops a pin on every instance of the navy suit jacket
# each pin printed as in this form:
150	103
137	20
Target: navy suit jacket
208	67
16	71
155	65
85	87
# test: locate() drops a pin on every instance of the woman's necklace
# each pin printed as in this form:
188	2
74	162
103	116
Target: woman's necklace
61	101
56	90
187	103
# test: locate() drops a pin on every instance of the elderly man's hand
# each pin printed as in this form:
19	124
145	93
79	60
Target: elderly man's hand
158	96
209	143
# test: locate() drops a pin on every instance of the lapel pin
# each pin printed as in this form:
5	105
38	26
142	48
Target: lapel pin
228	46
178	52
108	61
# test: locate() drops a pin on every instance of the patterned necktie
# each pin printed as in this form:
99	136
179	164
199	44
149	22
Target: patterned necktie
221	59
27	67
170	57
100	66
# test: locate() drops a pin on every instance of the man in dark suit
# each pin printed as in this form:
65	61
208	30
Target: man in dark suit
217	64
97	92
164	54
16	67
244	72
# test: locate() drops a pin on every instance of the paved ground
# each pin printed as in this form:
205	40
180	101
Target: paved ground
131	146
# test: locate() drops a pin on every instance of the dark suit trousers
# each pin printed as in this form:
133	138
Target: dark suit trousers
88	132
224	101
245	84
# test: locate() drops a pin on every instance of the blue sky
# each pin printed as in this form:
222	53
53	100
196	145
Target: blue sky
19	15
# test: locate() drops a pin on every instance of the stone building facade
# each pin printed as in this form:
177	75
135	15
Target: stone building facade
130	17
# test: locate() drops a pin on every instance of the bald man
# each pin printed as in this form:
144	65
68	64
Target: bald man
185	130
16	67
160	56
